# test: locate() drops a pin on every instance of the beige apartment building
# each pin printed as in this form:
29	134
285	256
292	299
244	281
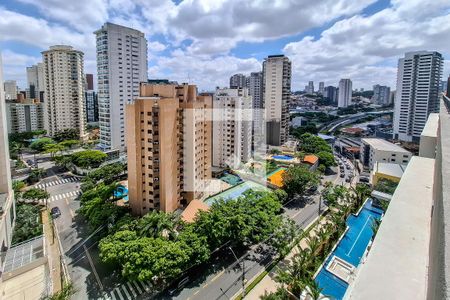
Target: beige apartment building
232	127
168	146
64	89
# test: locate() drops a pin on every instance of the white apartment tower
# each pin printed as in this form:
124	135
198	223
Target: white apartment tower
7	205
35	81
121	66
381	94
64	89
345	93
232	127
310	89
10	89
417	95
321	87
277	91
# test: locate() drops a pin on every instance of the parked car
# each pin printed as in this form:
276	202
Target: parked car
178	286
342	175
55	212
363	179
347	180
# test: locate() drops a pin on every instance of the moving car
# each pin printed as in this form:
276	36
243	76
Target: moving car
55	212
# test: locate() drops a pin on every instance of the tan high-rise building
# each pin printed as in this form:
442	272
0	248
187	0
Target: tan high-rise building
64	90
168	146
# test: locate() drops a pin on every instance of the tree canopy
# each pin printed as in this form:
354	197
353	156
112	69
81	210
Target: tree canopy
67	134
298	179
88	158
40	144
35	194
313	144
28	223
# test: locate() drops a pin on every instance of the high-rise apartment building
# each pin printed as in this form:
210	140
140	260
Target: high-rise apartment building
35	82
448	87
330	92
64	89
25	116
381	94
89	82
169	147
255	89
91	106
310	89
277	92
121	66
345	93
232	127
321	87
417	95
10	89
7	205
238	81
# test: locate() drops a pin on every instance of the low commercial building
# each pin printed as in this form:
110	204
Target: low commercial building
392	172
375	150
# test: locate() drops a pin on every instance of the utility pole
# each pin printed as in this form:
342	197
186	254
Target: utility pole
243	272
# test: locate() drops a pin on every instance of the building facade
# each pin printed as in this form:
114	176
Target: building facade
121	66
7	204
35	82
64	90
91	106
232	127
25	116
238	81
330	92
89	82
10	89
381	95
169	147
417	95
345	93
321	87
375	150
277	92
310	89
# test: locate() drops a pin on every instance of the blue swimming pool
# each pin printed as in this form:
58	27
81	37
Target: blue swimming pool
236	191
121	192
283	157
351	248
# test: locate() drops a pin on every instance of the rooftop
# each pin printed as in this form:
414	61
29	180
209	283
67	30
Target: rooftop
383	145
310	159
401	247
395	170
188	215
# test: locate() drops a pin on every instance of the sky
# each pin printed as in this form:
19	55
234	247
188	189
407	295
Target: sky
204	42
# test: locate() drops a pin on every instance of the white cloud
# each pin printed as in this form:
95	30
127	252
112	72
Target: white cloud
14	66
80	14
366	48
156	46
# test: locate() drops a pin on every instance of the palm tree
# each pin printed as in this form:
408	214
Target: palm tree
157	224
360	193
314	290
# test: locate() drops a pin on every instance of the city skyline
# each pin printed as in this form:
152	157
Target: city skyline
212	53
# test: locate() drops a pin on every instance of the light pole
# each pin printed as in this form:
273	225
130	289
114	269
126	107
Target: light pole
243	272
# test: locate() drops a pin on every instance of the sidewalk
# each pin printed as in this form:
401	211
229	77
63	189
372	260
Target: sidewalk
53	254
268	283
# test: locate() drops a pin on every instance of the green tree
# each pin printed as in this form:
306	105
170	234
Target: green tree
298	179
67	144
35	195
88	158
53	149
39	144
28	223
326	158
36	174
313	144
62	161
67	134
18	185
64	294
157	224
360	193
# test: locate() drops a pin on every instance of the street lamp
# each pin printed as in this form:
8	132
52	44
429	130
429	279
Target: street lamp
243	271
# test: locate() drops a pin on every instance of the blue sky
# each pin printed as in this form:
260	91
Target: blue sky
206	41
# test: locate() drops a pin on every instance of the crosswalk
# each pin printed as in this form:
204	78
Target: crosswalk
128	291
56	182
71	194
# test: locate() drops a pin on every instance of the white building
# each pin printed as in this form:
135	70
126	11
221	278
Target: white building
121	66
277	92
238	81
345	93
24	116
7	205
310	89
321	87
10	89
381	94
409	257
417	95
64	89
35	82
232	127
378	150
